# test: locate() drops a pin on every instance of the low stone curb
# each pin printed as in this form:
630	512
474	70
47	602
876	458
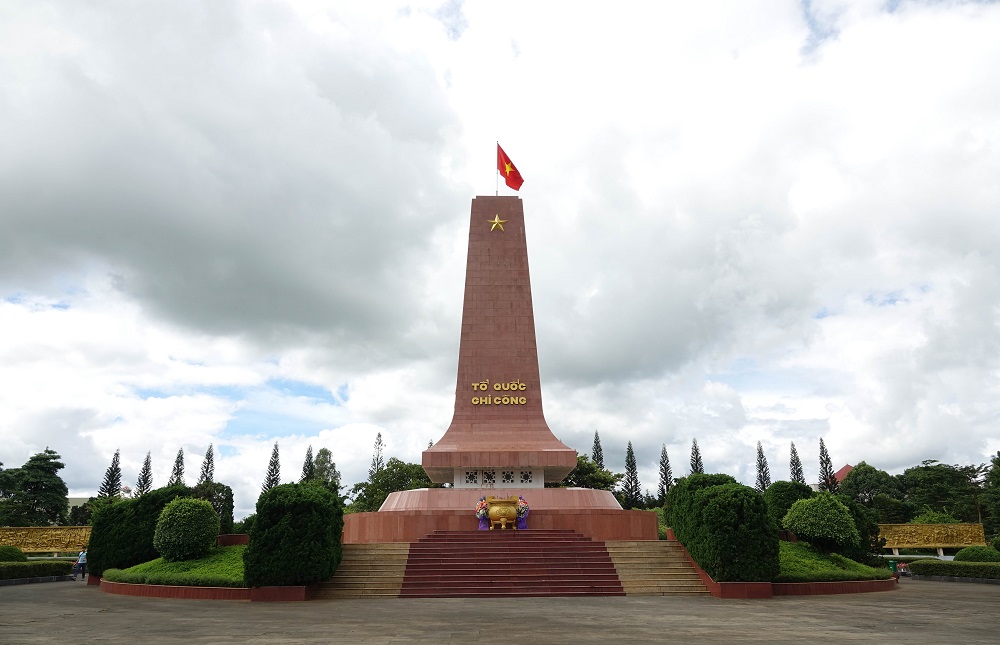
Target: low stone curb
28	581
982	581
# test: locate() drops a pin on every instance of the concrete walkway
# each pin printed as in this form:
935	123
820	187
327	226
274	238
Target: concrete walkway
917	612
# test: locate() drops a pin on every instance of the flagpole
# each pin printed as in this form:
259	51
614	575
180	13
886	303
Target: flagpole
497	194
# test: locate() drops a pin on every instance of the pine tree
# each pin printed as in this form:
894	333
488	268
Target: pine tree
795	467
177	474
827	479
666	476
378	461
631	490
145	482
207	467
326	471
696	465
273	476
308	467
597	454
763	472
112	484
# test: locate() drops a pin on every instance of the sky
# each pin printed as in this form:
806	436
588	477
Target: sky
241	223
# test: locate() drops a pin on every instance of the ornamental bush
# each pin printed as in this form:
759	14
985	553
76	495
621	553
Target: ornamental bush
978	554
871	542
186	530
725	527
11	554
995	543
935	567
780	496
824	522
122	533
295	536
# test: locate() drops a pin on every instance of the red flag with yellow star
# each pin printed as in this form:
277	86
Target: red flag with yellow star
510	174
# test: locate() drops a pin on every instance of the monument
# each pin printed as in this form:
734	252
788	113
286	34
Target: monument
498	442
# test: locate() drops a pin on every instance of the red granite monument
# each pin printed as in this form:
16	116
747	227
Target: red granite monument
498	442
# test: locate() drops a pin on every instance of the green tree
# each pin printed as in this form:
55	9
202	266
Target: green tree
220	497
177	474
34	494
865	482
112	484
827	476
395	476
697	467
631	491
795	467
208	466
763	472
780	496
145	482
273	476
326	472
991	495
944	488
597	454
930	516
378	461
308	467
587	474
666	476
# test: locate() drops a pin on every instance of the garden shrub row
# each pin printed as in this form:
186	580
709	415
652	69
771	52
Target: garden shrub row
725	528
35	569
180	579
947	568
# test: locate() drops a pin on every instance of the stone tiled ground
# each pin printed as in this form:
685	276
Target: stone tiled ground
918	612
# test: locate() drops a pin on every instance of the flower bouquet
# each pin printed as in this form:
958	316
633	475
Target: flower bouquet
483	513
522	513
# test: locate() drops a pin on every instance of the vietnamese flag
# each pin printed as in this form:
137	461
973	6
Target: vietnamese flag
510	174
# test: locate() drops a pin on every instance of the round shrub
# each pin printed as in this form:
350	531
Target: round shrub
823	522
978	554
780	496
295	536
11	554
186	530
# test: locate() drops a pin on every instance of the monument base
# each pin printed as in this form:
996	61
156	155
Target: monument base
409	515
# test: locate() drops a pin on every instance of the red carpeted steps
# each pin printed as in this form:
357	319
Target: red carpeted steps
509	563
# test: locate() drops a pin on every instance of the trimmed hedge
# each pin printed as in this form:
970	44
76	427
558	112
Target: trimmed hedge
725	527
122	533
933	567
186	530
823	522
978	554
35	569
10	553
780	496
295	536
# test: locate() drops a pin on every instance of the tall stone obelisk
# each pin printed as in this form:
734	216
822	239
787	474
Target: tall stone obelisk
498	437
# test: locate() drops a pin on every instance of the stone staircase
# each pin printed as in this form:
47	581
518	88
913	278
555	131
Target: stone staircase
367	571
465	564
655	568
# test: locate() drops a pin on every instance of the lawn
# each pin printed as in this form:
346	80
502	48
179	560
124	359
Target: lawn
223	567
800	563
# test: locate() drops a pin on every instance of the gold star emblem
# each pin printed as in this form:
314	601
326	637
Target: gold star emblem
496	221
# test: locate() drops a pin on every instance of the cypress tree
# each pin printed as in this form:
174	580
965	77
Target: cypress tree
666	476
378	461
145	482
112	484
795	467
827	480
207	467
696	465
308	467
763	472
631	489
177	474
597	454
273	476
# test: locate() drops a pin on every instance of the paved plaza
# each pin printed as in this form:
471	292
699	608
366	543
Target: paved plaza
918	612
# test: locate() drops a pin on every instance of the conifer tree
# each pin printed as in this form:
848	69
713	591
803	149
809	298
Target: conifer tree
696	465
631	489
308	467
795	467
827	479
326	472
112	484
207	467
378	461
145	482
597	454
177	474
763	472
273	476
666	476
